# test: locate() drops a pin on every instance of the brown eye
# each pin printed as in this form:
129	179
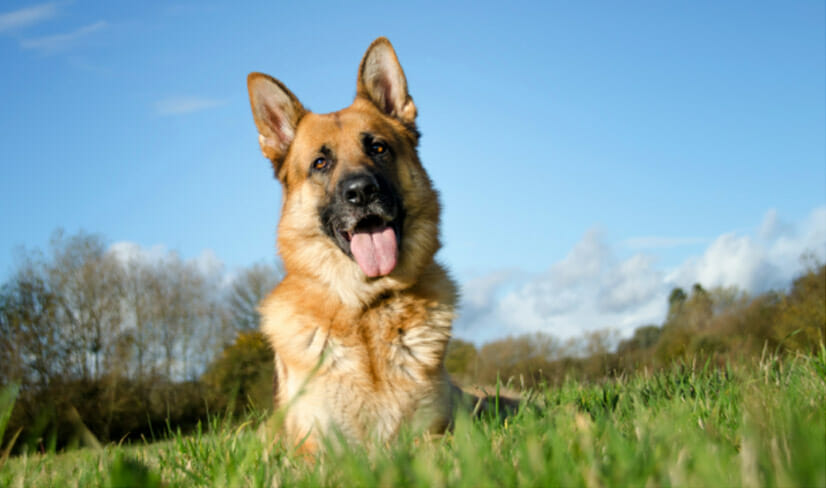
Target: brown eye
320	164
378	148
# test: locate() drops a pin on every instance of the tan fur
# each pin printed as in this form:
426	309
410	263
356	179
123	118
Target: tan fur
363	356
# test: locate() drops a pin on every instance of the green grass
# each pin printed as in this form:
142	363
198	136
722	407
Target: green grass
762	424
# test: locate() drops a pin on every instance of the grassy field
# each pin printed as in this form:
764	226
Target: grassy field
762	424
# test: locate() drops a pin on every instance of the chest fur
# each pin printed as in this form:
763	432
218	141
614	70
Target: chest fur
363	371
396	342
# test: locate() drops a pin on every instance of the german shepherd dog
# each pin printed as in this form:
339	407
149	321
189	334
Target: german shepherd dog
360	322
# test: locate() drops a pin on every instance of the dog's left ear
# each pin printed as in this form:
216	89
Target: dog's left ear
381	80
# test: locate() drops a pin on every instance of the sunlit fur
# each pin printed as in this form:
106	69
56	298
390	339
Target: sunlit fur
361	356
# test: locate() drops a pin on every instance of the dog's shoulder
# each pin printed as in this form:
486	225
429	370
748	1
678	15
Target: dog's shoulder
293	317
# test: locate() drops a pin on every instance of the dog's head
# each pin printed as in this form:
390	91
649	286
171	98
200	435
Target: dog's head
359	211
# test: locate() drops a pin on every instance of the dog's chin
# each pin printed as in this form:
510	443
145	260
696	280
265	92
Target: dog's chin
373	243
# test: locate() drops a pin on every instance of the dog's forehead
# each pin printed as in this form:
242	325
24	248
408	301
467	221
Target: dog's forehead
340	129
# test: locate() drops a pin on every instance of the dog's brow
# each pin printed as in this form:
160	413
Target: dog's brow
366	137
326	151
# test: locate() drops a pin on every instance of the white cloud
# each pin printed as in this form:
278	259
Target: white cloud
480	291
588	289
58	42
757	263
587	260
773	227
24	17
592	289
479	299
126	251
786	247
630	284
185	104
208	263
731	260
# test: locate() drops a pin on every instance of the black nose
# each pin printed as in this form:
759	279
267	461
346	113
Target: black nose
359	189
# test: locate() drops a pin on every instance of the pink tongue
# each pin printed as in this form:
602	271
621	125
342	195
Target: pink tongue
375	251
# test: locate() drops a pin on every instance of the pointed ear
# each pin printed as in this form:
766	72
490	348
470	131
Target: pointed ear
276	112
381	80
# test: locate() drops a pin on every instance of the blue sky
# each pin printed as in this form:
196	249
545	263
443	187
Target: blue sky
650	144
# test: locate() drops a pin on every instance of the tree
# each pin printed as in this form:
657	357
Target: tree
728	300
32	347
523	358
676	300
461	358
9	355
699	308
644	337
802	318
242	374
177	294
87	282
137	310
248	289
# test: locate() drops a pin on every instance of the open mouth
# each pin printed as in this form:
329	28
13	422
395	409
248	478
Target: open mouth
374	245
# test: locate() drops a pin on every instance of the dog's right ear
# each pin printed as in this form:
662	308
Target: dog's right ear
276	112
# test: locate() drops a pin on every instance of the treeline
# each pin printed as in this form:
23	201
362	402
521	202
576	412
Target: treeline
105	345
716	326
